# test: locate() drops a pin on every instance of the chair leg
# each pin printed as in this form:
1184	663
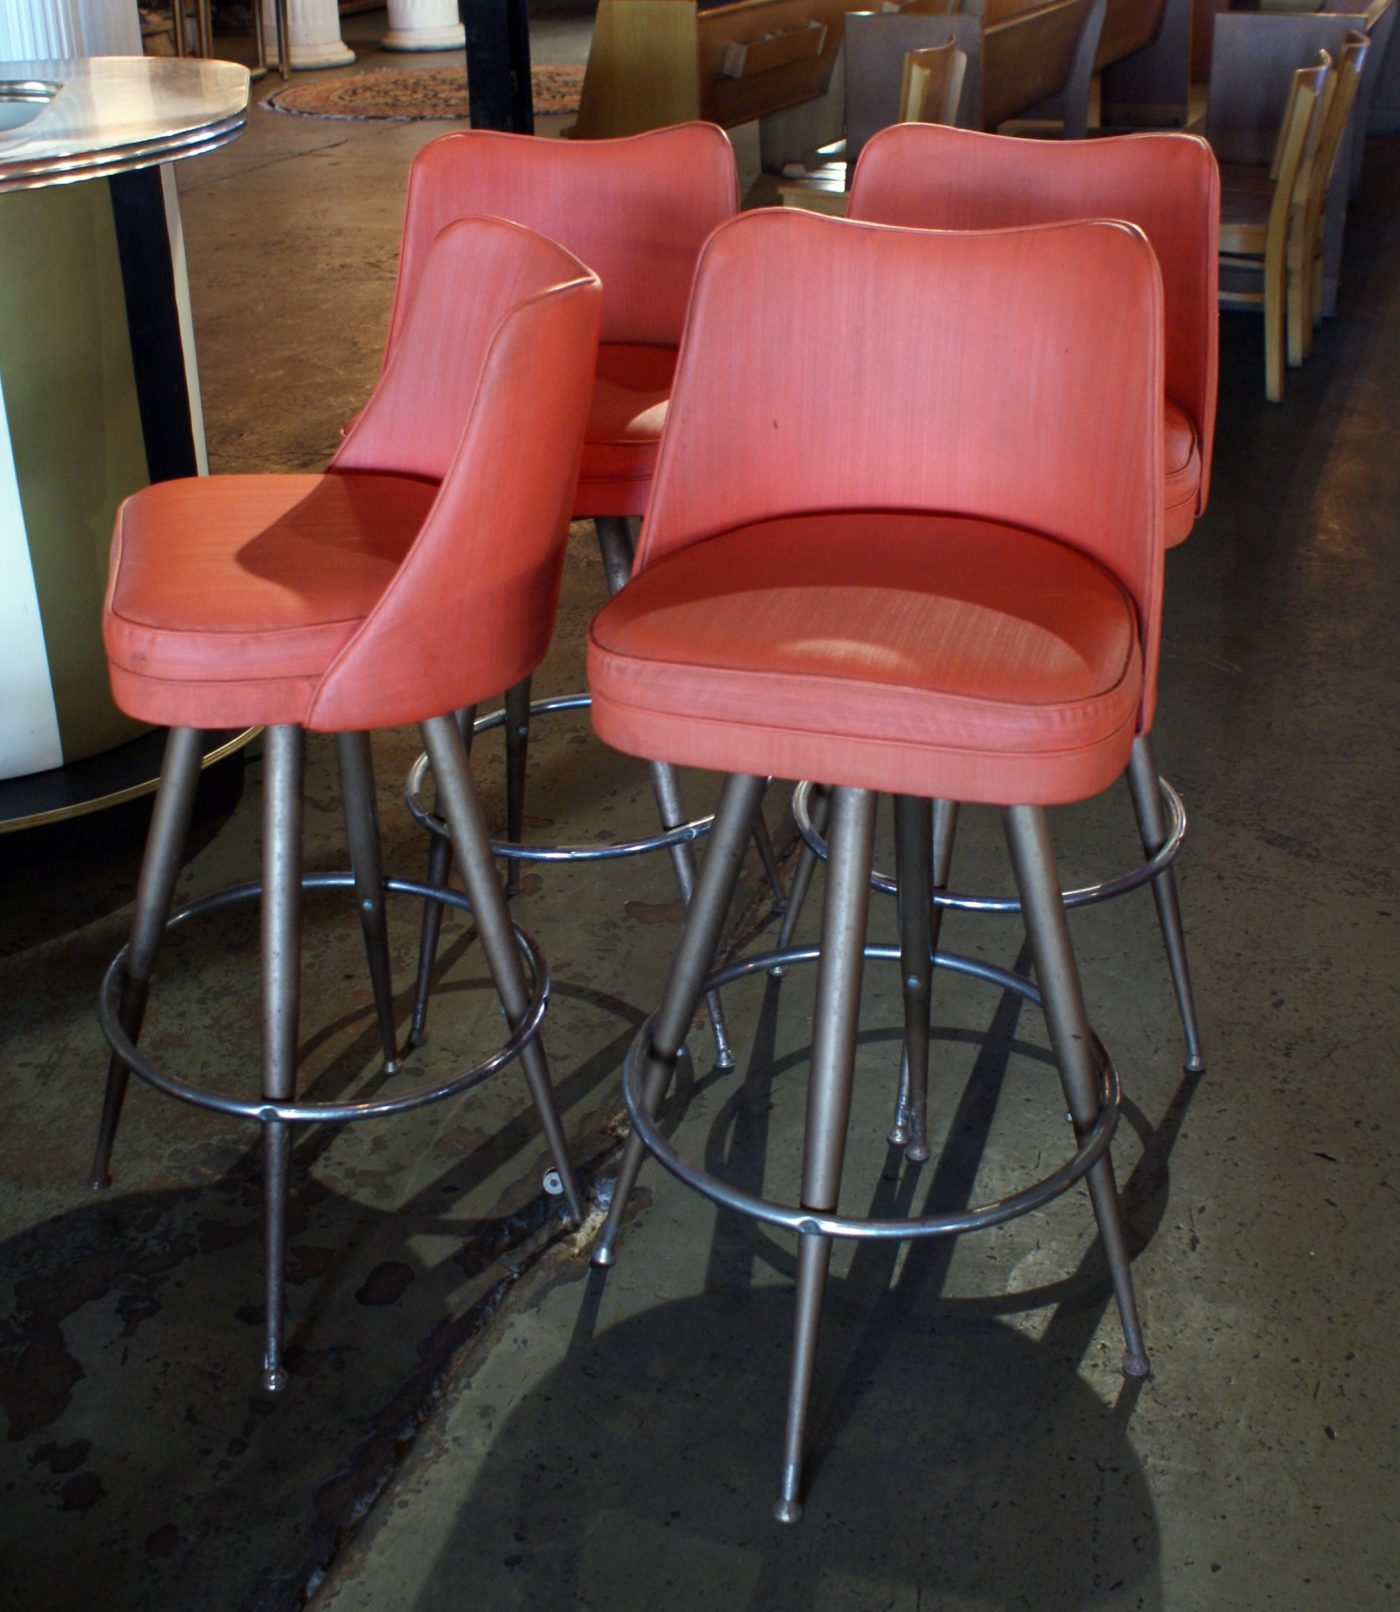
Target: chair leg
837	1020
356	766
472	843
766	854
155	891
517	751
1298	294
1033	857
913	820
666	786
694	956
806	867
615	545
1274	322
1152	825
439	871
281	994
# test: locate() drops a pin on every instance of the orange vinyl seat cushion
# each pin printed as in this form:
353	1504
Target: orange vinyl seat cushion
1183	478
631	389
932	655
230	596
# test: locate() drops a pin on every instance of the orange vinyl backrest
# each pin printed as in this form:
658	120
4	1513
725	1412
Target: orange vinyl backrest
635	210
487	388
1014	376
925	176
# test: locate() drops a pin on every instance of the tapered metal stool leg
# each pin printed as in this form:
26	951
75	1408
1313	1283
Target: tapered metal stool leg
517	752
1033	858
913	832
355	761
693	959
818	809
439	871
472	840
666	786
155	891
924	852
763	840
281	995
615	546
837	1019
1152	825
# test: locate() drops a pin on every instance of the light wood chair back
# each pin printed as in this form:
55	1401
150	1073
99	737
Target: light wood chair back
931	89
1340	101
1249	242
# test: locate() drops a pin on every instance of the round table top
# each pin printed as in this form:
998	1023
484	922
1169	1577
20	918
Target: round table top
101	115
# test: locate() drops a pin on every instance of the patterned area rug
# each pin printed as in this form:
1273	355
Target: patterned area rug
432	92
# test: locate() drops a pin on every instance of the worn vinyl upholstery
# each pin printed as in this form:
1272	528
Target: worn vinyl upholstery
928	177
880	551
410	578
635	210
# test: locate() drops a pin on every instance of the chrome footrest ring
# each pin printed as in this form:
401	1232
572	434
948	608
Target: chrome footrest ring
682	834
808	1222
1086	896
309	1113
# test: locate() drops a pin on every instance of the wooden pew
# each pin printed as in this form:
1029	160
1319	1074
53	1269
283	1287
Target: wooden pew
654	62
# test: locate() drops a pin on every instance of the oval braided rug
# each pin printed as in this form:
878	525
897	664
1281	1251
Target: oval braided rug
430	92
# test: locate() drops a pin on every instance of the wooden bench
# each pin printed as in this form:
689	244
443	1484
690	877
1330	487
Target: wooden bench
654	62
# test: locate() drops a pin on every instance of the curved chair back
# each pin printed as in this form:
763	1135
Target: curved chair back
487	388
828	365
635	210
928	177
931	89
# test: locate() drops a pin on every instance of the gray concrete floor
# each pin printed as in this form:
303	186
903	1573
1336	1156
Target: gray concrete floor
475	1419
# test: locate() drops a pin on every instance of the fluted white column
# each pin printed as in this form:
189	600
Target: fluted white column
314	26
39	30
424	25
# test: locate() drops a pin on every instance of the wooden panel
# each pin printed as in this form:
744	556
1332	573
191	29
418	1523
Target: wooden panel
641	68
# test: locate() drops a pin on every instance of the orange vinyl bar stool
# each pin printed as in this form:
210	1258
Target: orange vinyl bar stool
882	552
926	177
409	579
636	210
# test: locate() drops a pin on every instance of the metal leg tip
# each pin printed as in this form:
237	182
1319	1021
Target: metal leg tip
417	1037
917	1152
788	1508
274	1379
899	1135
1195	1065
1136	1365
777	972
604	1251
100	1183
392	1066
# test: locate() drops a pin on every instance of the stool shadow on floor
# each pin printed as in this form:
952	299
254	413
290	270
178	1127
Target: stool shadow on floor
139	1453
954	1452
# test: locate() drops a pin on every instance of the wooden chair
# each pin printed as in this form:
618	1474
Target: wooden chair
1261	228
930	92
1340	104
932	85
